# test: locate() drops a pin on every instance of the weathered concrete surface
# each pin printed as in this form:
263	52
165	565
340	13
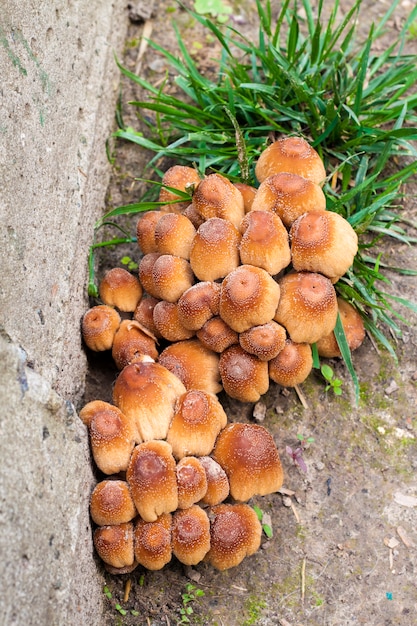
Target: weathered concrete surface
57	95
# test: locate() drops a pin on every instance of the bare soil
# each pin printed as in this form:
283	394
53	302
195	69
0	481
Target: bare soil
344	545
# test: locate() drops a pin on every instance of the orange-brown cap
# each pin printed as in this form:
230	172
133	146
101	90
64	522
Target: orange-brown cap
235	533
264	241
152	479
248	297
249	456
152	542
168	323
191	481
145	231
290	154
190	535
352	325
196	366
174	234
218	487
198	419
111	503
179	177
144	314
307	307
99	326
216	196
114	544
171	276
145	272
243	375
248	193
264	341
292	365
215	249
131	342
198	304
216	335
121	289
289	196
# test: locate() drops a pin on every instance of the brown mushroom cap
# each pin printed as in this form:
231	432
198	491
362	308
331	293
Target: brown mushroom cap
248	297
352	325
145	231
193	364
235	533
198	304
191	481
195	218
112	435
152	542
215	249
190	535
121	289
168	323
111	503
248	193
144	314
152	479
131	342
114	544
216	196
198	419
249	456
218	487
171	276
145	272
264	241
264	341
307	307
216	335
174	234
324	242
244	376
99	326
290	154
179	177
292	365
289	196
146	392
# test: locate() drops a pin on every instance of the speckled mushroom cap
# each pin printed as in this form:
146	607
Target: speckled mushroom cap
121	289
216	335
250	458
174	234
354	331
146	392
152	542
264	341
307	307
144	314
196	366
114	544
145	231
152	479
181	177
243	375
171	276
190	535
145	271
289	196
264	241
99	326
167	322
218	487
131	342
191	481
290	154
248	193
324	242
215	249
198	304
111	503
216	196
235	533
292	365
198	419
248	297
112	435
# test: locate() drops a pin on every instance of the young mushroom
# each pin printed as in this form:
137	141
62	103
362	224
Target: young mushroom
181	177
353	327
243	375
168	323
190	535
131	342
215	249
174	234
99	326
292	365
196	366
216	335
111	503
145	231
171	276
264	341
290	154
218	487
264	241
114	545
198	304
191	481
248	193
152	542
144	314
216	196
121	289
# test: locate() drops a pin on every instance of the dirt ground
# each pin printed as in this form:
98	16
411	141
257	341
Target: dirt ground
344	543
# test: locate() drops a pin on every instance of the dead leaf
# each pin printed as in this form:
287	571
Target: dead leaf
405	500
409	543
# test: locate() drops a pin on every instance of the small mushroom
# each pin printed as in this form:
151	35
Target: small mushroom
168	323
190	535
145	231
243	375
216	335
264	341
289	196
111	503
114	544
99	326
174	234
290	154
171	276
353	327
147	392
131	342
249	456
215	249
198	419
152	542
248	297
235	533
121	289
181	177
195	218
292	365
144	314
198	304
145	272
191	481
307	307
196	366
248	193
216	196
218	487
264	241
152	479
324	242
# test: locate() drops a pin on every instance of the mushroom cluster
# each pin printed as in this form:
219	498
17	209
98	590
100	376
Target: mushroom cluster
232	291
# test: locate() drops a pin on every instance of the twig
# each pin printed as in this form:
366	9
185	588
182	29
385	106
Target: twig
303	581
146	33
128	587
301	396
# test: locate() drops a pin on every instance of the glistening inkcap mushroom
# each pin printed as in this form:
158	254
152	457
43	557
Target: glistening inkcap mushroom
99	326
290	154
121	289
